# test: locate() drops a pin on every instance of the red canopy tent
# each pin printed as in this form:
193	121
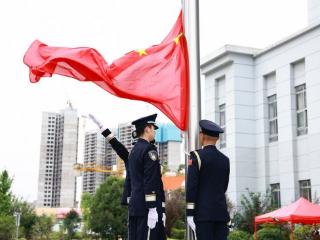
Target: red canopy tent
302	211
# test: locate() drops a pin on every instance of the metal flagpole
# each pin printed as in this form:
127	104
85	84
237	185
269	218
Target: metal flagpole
191	28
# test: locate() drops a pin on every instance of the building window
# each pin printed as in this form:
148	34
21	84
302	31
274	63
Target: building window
222	121
273	118
275	195
305	189
301	105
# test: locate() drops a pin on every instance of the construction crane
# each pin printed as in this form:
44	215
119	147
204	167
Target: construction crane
70	104
92	167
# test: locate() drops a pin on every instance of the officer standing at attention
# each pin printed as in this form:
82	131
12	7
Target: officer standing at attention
207	183
146	210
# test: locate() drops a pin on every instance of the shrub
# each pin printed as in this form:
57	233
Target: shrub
179	224
238	235
178	233
56	236
305	232
273	232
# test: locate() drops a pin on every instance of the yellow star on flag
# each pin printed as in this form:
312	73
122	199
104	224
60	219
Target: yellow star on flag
141	52
176	39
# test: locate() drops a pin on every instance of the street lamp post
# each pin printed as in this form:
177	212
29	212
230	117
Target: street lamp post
17	214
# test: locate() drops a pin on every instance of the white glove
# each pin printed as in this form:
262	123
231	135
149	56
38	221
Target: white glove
152	218
164	219
191	223
96	121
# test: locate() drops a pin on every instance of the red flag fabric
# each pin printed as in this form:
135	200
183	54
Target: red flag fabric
158	75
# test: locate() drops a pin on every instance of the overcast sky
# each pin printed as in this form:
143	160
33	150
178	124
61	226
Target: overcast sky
113	27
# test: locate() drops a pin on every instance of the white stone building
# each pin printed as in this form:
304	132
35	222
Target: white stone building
268	101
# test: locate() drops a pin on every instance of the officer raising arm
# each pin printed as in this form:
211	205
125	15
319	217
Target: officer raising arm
146	204
207	183
142	229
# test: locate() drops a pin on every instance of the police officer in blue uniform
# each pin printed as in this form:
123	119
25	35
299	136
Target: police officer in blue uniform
123	153
146	209
207	183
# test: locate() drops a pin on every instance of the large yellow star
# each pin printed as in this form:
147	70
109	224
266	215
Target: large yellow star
141	52
176	39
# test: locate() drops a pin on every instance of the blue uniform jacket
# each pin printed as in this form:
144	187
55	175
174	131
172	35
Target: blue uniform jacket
207	183
145	177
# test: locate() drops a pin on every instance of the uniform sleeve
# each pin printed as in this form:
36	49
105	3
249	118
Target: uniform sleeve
123	153
126	195
192	184
120	149
117	146
151	177
228	175
163	197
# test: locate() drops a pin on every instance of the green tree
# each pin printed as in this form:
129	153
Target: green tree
165	168
252	204
5	193
175	211
71	223
42	227
28	216
181	168
7	227
10	204
107	217
86	200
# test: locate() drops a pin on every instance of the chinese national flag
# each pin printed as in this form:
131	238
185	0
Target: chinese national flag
158	75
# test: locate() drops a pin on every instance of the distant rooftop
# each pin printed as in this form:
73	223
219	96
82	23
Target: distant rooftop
173	182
